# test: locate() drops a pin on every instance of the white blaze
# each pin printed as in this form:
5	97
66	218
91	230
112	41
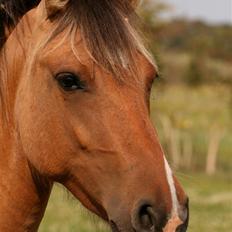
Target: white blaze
175	203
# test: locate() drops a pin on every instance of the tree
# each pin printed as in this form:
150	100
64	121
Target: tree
150	11
196	71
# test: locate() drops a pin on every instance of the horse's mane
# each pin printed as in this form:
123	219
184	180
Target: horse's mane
10	13
109	29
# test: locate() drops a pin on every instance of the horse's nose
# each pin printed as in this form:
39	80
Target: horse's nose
144	219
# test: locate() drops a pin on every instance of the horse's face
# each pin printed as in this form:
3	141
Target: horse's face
91	131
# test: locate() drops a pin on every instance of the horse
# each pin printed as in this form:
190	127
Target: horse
75	81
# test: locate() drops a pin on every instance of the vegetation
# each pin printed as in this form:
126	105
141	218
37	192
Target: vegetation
192	107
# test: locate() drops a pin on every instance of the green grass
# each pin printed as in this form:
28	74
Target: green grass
196	112
210	203
210	208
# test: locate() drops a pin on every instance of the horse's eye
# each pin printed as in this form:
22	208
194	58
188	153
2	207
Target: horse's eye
70	82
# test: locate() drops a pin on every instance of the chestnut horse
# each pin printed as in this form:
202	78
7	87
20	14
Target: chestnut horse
75	81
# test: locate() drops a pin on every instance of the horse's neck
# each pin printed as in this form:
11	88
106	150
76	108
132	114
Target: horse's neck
23	194
22	201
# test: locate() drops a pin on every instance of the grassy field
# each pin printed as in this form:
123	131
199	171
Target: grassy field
211	203
197	113
211	208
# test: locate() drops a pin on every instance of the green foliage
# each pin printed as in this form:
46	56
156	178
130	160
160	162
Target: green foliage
195	72
207	47
195	112
193	108
186	36
181	35
150	12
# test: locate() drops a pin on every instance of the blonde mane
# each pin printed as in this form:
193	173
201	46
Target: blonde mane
109	29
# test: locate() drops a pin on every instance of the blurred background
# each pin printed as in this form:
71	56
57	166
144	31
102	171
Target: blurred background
191	107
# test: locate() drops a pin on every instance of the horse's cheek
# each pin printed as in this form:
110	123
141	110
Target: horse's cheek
42	132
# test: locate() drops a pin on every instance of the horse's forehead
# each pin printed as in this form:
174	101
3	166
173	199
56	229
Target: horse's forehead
59	52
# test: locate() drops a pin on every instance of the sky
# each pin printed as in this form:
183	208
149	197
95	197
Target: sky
212	11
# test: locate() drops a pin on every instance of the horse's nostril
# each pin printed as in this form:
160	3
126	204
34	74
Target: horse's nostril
181	228
144	219
147	217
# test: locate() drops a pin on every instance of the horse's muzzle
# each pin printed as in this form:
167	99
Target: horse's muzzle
145	219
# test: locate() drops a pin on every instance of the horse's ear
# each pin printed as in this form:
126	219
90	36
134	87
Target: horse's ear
54	6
